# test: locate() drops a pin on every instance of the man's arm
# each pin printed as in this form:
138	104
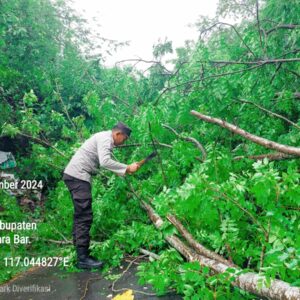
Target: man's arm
105	161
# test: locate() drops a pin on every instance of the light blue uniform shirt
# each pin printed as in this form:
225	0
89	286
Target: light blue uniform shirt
95	152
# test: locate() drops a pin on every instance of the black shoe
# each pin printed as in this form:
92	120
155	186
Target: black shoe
88	263
84	261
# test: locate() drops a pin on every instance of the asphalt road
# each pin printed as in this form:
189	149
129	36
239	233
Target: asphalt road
55	284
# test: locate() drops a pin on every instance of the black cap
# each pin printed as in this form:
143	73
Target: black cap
124	128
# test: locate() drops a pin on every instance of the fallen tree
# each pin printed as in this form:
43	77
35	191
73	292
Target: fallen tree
290	150
200	249
249	281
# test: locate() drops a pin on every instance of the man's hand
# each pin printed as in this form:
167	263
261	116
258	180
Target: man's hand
132	168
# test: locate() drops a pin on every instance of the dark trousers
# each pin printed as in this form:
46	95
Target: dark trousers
83	215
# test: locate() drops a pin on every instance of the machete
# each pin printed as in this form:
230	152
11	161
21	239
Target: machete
149	157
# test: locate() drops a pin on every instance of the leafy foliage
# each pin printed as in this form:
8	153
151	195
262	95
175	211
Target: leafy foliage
53	96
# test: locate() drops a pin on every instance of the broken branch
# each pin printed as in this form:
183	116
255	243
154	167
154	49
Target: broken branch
283	26
188	139
269	112
254	138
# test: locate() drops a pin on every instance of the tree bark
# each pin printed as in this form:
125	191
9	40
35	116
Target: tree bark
151	254
200	249
250	281
254	138
283	26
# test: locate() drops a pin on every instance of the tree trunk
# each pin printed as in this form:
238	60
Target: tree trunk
200	249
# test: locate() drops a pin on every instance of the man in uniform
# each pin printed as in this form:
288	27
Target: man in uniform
94	152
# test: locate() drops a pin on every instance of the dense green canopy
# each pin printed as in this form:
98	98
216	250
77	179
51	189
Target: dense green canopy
55	92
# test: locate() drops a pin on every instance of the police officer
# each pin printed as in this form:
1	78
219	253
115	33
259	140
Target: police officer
94	152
